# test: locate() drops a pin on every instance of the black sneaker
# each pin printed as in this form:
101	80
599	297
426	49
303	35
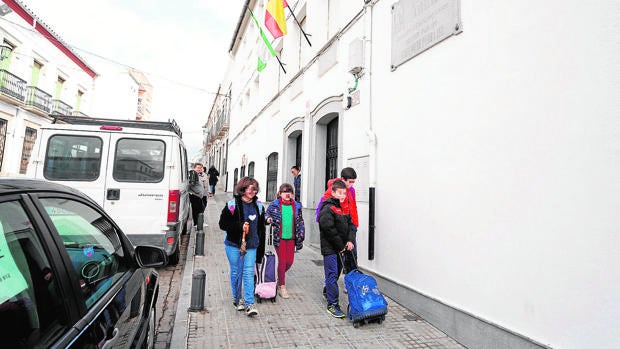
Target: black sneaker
251	310
335	311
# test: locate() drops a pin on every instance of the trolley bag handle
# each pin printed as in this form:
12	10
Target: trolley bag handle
344	265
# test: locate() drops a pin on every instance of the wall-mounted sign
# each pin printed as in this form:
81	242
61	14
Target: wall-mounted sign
418	25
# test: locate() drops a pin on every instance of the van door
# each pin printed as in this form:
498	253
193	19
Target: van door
74	158
137	184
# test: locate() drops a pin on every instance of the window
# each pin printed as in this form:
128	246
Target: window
29	138
31	308
3	126
59	84
78	100
92	243
235	178
272	176
73	158
242	171
6	53
139	160
251	169
36	71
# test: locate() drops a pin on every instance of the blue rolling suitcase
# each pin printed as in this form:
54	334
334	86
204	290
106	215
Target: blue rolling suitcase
366	302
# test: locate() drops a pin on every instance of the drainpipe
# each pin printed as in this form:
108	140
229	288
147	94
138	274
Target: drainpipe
372	137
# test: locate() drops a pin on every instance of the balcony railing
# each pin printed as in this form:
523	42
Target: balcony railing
11	85
38	98
60	107
221	126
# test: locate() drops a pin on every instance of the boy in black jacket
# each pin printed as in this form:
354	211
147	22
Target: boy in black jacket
337	235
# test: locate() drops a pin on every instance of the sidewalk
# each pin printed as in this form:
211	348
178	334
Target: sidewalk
300	321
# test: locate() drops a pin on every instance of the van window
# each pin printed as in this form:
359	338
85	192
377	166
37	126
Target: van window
73	158
139	160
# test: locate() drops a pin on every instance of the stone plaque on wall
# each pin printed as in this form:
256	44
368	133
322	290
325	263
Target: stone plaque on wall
418	25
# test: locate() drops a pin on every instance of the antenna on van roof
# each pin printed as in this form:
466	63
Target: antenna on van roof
169	125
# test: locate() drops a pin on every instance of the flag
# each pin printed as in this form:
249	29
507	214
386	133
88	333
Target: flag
261	65
275	20
262	34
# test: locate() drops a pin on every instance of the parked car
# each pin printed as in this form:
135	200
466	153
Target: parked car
136	170
69	277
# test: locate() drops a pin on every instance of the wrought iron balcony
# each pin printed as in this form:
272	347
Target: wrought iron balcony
12	85
38	98
60	107
221	126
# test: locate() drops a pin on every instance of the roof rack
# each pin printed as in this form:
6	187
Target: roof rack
170	125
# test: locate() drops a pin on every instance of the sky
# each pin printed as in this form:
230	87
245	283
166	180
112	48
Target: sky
182	46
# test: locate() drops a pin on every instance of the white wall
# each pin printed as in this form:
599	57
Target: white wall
498	168
497	159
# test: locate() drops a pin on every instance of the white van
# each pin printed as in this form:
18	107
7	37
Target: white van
136	170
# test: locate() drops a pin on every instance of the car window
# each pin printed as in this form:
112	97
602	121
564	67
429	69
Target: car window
73	158
139	160
31	309
92	244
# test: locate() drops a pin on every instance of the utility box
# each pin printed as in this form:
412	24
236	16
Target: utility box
356	56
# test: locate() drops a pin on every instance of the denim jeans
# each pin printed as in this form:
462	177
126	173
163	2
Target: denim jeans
241	274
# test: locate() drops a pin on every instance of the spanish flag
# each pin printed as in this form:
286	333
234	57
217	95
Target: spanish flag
275	20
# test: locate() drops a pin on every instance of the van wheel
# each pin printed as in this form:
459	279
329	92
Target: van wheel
173	259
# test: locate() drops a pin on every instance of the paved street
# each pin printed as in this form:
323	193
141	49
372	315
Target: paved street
300	321
169	287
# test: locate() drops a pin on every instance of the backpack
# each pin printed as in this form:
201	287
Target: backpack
232	204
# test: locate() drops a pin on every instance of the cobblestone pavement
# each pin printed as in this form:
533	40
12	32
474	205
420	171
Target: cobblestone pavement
301	321
169	287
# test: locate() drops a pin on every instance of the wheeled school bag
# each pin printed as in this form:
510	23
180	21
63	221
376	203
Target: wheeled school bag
265	275
366	303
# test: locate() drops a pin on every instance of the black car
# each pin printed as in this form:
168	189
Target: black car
68	276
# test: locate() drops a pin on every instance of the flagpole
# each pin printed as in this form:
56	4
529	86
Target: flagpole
299	25
281	66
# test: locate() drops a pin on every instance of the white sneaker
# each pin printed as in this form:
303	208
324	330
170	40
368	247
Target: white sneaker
239	306
251	310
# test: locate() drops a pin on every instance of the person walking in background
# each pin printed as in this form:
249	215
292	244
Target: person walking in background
296	182
337	235
285	216
243	219
196	192
205	183
213	177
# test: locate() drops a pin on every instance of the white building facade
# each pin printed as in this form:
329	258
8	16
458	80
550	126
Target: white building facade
39	75
489	161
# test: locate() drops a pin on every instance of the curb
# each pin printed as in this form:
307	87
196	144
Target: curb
179	337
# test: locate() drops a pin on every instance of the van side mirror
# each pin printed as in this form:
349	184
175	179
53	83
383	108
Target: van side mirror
150	256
